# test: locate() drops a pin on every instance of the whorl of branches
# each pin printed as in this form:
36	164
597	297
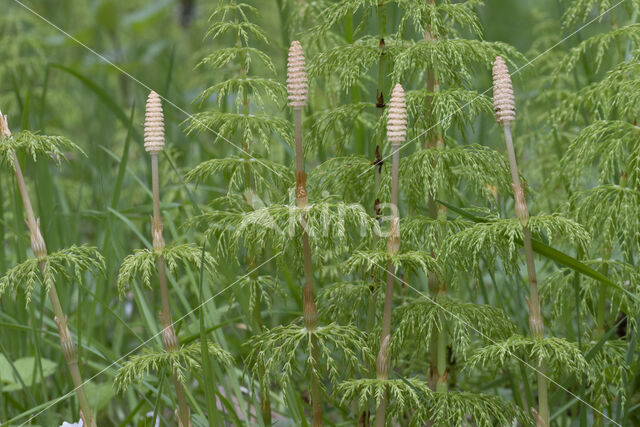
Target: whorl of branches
154	125
397	123
503	100
297	83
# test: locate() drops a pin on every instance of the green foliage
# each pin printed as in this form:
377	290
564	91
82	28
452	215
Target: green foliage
264	174
451	60
428	172
457	408
402	394
614	146
68	265
452	106
259	87
559	287
224	56
611	208
347	300
258	126
180	362
419	319
579	10
261	290
497	239
143	263
426	233
329	225
410	261
561	356
351	177
273	354
333	127
606	373
347	63
35	145
441	19
598	45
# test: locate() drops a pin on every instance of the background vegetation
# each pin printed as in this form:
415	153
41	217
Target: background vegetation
82	69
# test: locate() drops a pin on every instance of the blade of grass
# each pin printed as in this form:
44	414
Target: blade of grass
209	391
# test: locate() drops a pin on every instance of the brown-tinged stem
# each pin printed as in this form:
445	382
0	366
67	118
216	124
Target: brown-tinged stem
66	341
309	309
392	248
536	323
169	338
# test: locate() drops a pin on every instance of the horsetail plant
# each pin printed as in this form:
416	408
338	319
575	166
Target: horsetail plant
320	226
175	358
297	86
504	106
396	135
67	263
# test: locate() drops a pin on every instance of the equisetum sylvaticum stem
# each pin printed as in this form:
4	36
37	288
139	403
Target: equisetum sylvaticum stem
39	248
297	87
378	161
396	135
438	376
154	144
504	107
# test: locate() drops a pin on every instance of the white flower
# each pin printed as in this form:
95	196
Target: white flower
66	424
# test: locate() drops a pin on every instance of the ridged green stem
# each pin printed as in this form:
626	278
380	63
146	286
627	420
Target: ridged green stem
66	342
536	323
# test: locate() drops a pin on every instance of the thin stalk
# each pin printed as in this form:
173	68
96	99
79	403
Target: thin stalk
438	341
536	323
309	309
384	360
66	341
169	338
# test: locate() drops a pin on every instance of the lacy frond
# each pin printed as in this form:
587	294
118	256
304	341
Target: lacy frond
403	395
460	408
610	212
441	18
418	319
599	45
35	145
559	287
414	261
254	127
226	55
427	172
614	146
333	128
265	176
561	356
143	263
498	238
348	301
179	362
68	264
259	87
448	107
451	60
351	177
274	353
